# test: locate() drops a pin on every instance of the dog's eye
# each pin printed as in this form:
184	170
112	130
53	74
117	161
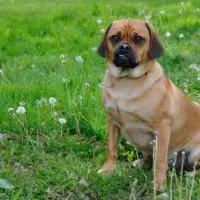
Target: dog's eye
138	39
114	38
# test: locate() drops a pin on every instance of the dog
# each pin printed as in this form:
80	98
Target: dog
143	103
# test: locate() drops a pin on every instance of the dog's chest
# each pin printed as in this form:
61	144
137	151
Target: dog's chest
132	116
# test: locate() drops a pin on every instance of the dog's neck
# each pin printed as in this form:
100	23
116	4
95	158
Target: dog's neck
134	73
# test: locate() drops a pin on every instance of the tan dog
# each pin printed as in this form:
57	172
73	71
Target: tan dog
142	102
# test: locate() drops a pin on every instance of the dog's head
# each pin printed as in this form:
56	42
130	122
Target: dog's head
129	43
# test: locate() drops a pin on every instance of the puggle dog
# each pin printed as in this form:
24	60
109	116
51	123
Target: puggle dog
143	103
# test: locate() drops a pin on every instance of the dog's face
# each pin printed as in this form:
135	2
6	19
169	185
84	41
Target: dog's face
128	43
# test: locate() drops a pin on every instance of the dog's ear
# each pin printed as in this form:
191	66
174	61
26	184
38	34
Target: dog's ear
155	47
102	49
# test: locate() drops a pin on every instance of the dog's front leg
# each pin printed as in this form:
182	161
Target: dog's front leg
163	138
113	135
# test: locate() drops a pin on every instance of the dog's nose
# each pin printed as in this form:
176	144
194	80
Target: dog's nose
124	47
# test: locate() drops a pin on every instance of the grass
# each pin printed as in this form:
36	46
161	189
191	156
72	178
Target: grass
43	159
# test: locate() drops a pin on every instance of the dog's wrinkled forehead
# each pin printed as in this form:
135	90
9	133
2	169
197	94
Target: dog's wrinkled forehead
127	28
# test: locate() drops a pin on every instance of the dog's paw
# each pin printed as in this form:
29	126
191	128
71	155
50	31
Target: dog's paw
108	167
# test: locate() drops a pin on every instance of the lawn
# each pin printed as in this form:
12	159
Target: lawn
49	66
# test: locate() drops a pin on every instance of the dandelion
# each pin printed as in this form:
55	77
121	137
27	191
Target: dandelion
11	109
1	72
102	30
62	121
52	101
79	59
94	49
99	21
87	85
167	34
181	36
62	56
163	196
194	66
20	110
162	12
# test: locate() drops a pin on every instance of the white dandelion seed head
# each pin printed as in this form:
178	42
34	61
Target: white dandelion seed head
99	21
62	56
167	34
1	72
87	85
194	66
163	195
52	101
62	120
102	30
162	12
79	59
180	36
11	109
20	110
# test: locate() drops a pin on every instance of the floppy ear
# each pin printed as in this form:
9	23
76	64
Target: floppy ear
102	49
155	47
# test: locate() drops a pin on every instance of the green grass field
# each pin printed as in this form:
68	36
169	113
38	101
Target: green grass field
40	158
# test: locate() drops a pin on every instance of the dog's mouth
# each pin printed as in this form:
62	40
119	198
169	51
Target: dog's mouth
125	60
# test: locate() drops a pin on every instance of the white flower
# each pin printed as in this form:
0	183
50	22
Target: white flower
99	21
1	72
87	85
162	12
62	56
79	59
163	195
194	66
102	30
181	36
198	77
20	110
11	109
93	48
167	34
52	101
54	114
62	120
